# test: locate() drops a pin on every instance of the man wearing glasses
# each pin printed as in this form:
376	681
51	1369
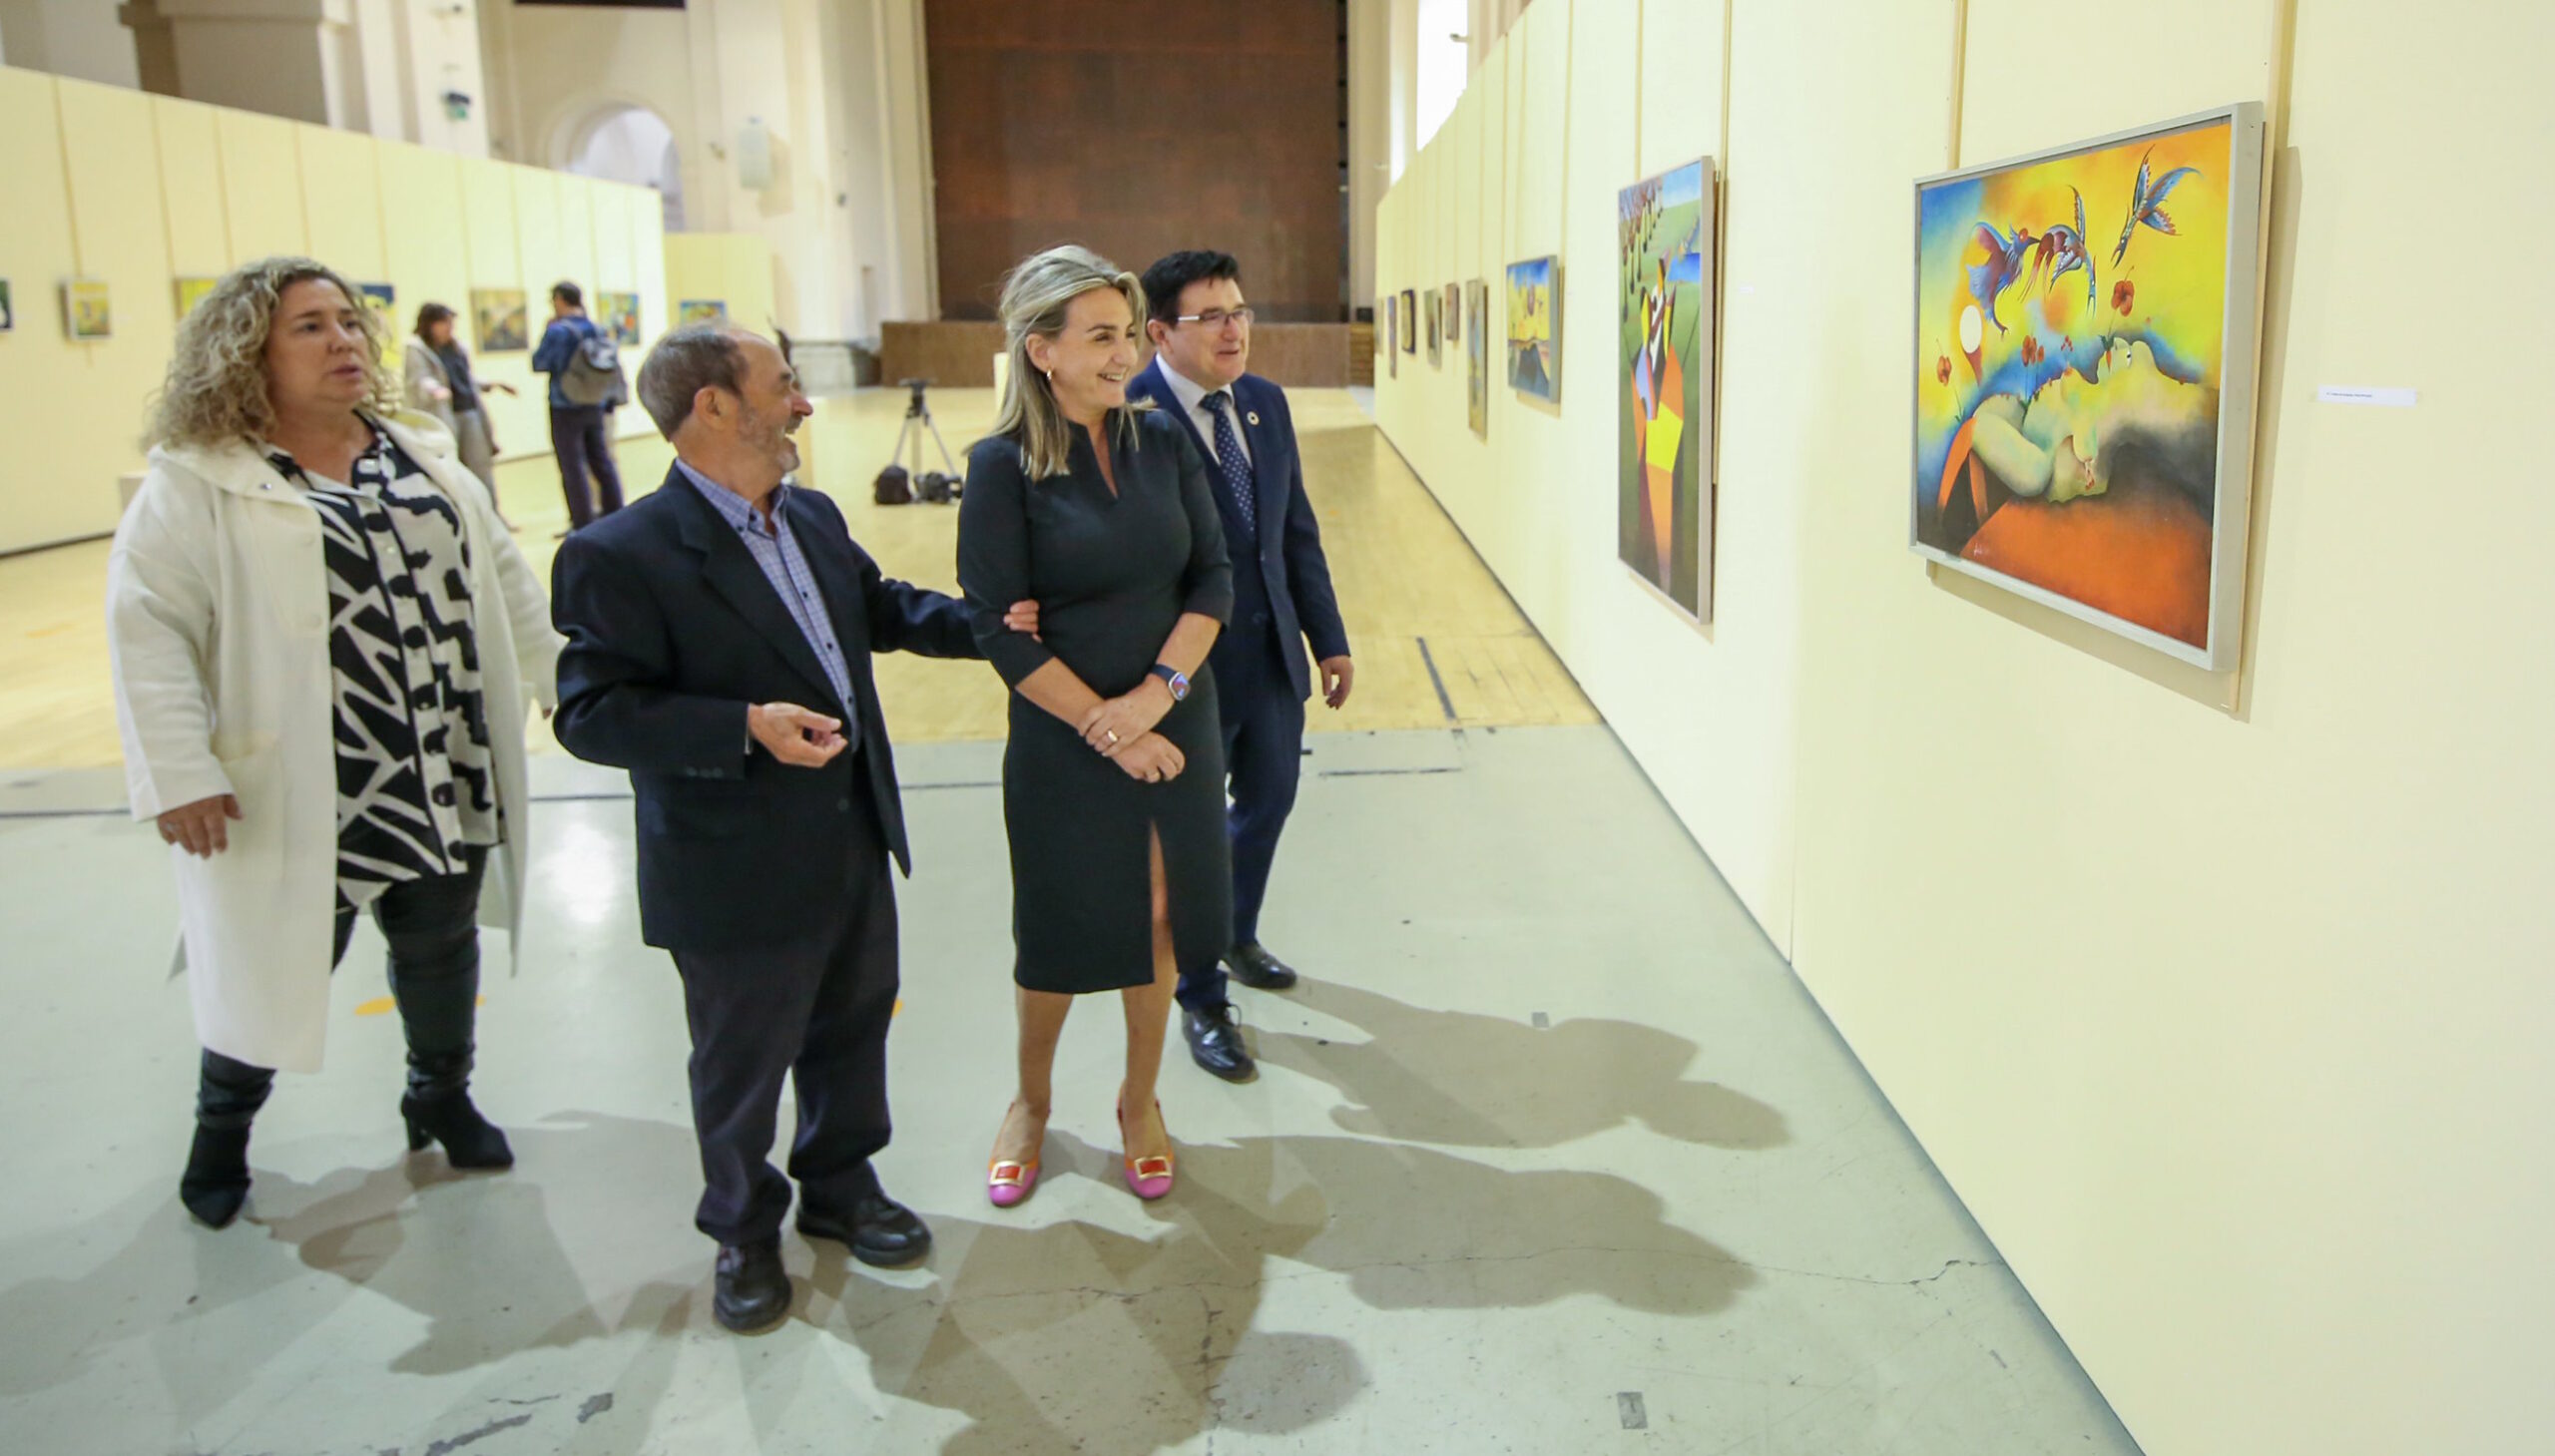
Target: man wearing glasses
1200	329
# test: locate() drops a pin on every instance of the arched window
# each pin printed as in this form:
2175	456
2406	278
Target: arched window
624	142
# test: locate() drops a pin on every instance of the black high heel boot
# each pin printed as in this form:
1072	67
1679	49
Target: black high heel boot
216	1183
437	1109
227	1096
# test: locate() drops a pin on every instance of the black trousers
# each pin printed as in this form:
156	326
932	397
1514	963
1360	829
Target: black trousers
433	929
813	1008
579	436
1264	762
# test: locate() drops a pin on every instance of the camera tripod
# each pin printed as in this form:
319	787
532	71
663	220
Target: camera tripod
932	485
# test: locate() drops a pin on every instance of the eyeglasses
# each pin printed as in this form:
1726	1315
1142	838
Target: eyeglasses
1217	318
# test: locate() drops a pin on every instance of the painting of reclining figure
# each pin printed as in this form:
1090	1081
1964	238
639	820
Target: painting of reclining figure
2085	326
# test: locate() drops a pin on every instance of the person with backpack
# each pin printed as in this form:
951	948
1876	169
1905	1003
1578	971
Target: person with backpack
584	366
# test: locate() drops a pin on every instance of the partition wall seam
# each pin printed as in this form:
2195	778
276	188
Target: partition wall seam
62	149
1960	82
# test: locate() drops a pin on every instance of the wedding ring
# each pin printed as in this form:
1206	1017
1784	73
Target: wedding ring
1113	735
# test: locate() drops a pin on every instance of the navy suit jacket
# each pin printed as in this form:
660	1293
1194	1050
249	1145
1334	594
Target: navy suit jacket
672	629
1284	588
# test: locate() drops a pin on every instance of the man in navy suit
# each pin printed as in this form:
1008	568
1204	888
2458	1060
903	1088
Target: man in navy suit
1200	329
702	623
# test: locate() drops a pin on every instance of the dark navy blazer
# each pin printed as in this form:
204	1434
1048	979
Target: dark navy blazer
1284	588
672	629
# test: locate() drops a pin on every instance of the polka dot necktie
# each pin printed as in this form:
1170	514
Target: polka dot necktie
1230	460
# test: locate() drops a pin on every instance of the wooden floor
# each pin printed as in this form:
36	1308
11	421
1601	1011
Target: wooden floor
1437	643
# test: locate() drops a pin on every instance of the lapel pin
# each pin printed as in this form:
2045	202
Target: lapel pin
1253	416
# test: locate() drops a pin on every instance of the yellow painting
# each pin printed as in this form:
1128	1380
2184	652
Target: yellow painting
700	310
192	291
383	300
84	312
2084	377
1534	329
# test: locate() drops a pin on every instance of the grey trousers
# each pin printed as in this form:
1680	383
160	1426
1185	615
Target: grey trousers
478	447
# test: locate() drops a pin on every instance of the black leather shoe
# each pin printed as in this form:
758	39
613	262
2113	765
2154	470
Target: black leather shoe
1253	965
753	1289
880	1230
469	1140
1214	1043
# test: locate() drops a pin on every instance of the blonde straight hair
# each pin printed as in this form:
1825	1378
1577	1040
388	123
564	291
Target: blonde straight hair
1035	297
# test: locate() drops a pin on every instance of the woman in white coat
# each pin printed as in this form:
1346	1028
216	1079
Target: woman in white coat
323	642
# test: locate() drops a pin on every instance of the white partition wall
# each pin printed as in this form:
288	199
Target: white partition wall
2221	999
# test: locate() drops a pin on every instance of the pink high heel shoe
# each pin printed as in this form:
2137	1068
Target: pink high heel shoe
1147	1178
1008	1182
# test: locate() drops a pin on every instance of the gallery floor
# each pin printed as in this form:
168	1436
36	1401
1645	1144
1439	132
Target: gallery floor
1549	1154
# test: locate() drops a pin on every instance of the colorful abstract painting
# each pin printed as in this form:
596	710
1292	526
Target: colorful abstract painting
620	318
1664	439
1478	357
1534	328
499	320
2084	377
700	310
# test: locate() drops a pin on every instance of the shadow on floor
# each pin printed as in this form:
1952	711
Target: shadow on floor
1465	1080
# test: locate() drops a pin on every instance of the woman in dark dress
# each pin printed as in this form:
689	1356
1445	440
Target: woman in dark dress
1113	783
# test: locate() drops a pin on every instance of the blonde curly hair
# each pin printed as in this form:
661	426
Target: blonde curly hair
217	385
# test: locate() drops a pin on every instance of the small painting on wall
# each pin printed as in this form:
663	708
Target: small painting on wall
191	292
1664	438
501	324
2084	377
383	300
1409	322
1454	311
8	308
700	310
1436	329
85	314
1534	328
1478	357
620	318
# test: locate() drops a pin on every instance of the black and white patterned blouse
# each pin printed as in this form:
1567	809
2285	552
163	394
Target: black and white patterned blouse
416	783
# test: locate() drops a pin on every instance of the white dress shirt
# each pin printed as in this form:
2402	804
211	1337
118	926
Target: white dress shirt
1192	396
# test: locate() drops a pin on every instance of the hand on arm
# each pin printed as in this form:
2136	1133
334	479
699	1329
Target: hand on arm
1113	724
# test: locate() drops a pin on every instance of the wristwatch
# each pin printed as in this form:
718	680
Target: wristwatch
1178	680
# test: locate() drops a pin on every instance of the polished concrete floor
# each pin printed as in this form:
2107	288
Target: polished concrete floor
1549	1154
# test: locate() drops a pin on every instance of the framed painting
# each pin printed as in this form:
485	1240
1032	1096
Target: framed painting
1434	307
1534	328
499	320
191	292
1409	322
1453	308
700	310
87	310
383	300
2084	377
1663	358
8	308
620	318
1477	357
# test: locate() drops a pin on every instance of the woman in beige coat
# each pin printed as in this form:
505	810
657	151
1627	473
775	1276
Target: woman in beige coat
438	375
323	641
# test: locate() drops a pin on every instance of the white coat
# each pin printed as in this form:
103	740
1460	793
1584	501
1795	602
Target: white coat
218	620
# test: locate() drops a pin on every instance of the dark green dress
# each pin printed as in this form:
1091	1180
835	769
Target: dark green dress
1111	575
